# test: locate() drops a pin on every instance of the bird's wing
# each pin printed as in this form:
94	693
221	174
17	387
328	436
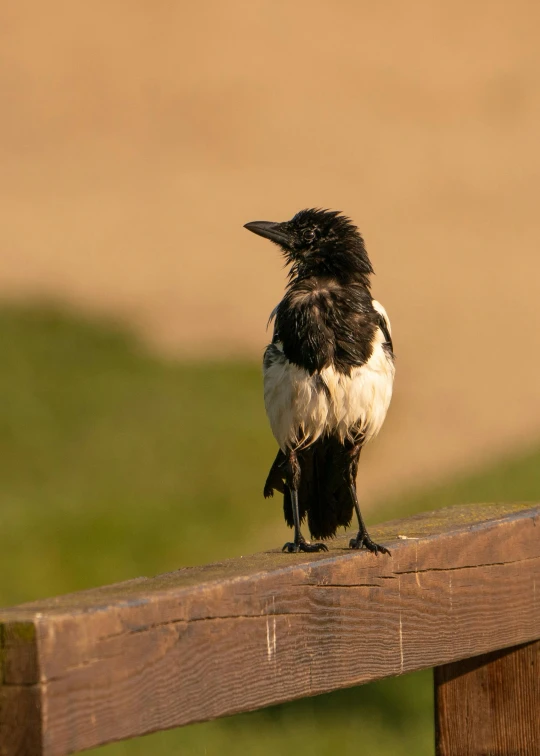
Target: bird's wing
384	323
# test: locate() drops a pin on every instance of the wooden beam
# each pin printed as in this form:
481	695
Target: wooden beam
200	643
489	704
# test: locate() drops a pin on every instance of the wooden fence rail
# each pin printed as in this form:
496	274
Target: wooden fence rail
115	662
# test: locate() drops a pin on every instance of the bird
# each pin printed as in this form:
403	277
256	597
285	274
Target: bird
328	374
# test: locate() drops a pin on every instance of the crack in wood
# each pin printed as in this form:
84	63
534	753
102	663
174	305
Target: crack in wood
338	585
192	620
467	566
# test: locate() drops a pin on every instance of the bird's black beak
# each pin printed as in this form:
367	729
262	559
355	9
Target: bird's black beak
272	231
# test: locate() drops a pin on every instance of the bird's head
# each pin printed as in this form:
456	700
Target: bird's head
319	242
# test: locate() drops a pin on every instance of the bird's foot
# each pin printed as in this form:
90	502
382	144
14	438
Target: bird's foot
363	541
294	548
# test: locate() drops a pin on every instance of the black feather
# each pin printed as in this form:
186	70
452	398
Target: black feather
384	328
324	494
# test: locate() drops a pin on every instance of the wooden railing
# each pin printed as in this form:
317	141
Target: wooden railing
149	654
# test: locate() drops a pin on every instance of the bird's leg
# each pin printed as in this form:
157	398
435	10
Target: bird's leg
292	475
362	540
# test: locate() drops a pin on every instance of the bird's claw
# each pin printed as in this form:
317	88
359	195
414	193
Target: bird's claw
294	548
365	542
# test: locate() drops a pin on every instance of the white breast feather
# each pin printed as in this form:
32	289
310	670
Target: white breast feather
301	411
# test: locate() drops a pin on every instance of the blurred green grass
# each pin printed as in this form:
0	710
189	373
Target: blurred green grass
115	463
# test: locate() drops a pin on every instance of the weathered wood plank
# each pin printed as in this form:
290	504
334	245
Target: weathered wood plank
204	642
20	720
489	704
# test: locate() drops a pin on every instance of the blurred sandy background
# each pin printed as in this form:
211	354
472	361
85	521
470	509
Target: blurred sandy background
136	138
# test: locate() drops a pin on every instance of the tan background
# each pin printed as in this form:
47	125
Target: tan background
137	137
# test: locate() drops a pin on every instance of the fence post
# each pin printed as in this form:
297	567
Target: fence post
489	704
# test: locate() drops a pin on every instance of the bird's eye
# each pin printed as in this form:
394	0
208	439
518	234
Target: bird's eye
308	234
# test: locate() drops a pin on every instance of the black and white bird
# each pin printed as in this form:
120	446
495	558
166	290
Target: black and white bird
328	374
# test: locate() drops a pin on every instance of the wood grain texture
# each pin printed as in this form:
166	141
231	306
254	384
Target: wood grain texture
20	720
489	705
204	642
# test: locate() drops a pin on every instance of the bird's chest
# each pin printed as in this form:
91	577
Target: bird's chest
306	334
319	328
302	407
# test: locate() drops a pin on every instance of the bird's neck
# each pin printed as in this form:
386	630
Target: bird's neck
340	279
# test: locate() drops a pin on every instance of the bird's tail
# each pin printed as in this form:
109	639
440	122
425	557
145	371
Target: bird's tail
324	494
